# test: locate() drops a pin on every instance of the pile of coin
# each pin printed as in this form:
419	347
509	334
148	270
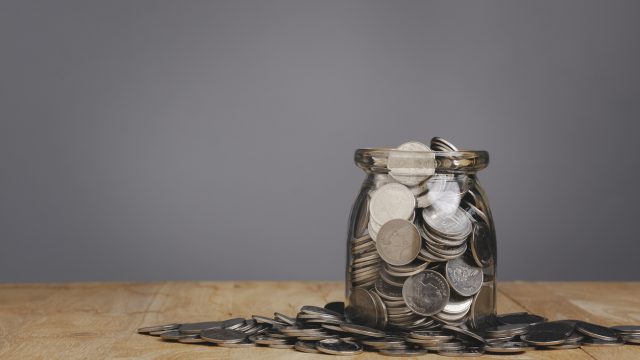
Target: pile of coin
325	330
420	260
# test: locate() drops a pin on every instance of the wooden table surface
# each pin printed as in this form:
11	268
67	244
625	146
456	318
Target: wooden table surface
99	320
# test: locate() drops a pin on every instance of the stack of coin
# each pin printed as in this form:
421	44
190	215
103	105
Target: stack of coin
325	330
420	259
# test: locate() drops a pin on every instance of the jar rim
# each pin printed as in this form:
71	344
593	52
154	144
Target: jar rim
461	161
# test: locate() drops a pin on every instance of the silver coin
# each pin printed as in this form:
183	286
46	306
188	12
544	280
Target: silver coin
431	335
191	339
389	342
159	332
411	163
391	201
306	346
268	340
196	328
154	328
631	339
442	144
600	342
443	194
381	310
171	335
426	293
458	305
362	330
388	291
242	344
455	225
398	242
403	352
233	324
362	307
626	329
464	278
223	336
596	331
266	320
338	347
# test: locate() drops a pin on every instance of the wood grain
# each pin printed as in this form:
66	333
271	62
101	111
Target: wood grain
99	320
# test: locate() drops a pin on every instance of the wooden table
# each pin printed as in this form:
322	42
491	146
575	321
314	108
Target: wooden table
99	320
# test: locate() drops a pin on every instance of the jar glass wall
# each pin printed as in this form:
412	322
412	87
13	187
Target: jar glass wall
421	245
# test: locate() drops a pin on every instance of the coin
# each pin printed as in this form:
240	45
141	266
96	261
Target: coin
244	344
600	342
411	163
453	225
336	306
507	347
284	318
631	339
442	145
626	329
544	338
171	335
362	330
196	328
464	278
233	324
398	242
458	305
388	291
596	331
266	320
461	353
191	339
391	201
520	318
464	334
338	347
426	293
223	336
403	352
164	327
362	307
306	346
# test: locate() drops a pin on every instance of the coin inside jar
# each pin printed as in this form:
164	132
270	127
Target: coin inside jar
391	201
463	277
398	242
426	293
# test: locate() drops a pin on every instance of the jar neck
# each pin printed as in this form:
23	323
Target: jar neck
376	160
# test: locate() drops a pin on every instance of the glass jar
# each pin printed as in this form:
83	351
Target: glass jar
421	244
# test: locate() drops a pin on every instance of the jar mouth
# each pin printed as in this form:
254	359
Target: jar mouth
375	160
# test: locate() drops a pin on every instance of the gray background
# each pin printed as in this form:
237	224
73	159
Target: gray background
152	140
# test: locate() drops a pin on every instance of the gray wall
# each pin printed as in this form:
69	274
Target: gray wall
149	140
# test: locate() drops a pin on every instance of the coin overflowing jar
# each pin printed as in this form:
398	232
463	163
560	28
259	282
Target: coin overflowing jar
421	240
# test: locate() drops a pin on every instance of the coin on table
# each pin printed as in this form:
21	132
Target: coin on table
196	328
631	339
596	331
398	242
311	309
520	318
403	352
284	318
464	334
242	344
456	224
338	347
507	347
267	320
223	336
626	329
391	201
426	293
306	346
600	342
362	330
463	277
335	306
191	339
544	338
164	327
233	324
171	335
